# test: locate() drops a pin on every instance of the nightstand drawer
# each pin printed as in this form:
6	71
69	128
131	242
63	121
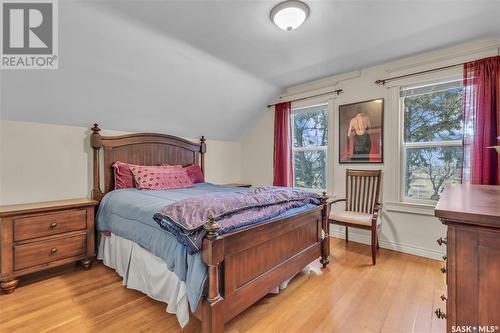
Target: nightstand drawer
41	235
41	252
49	224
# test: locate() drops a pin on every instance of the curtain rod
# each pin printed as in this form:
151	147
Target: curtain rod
383	81
337	91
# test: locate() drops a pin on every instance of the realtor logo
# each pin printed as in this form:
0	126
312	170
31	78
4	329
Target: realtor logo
29	34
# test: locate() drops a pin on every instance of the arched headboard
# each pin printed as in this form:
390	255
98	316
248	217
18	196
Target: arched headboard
142	149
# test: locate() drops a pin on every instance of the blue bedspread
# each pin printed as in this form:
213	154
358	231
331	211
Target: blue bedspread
128	213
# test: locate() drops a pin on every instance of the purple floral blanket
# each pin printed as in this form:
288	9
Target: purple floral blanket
185	218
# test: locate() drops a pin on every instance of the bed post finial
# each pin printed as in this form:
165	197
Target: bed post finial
95	129
95	143
211	227
324	197
212	316
203	149
325	243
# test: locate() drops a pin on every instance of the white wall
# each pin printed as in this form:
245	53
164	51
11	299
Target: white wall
257	152
406	228
48	162
41	162
120	71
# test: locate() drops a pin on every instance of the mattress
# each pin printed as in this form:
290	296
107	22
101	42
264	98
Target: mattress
128	213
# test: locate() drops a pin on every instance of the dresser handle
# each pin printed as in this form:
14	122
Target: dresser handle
442	241
440	314
443	298
53	225
53	250
445	257
443	269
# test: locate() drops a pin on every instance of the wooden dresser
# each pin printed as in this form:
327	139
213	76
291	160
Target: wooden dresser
43	235
472	215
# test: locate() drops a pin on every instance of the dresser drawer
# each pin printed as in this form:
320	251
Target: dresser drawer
41	252
49	224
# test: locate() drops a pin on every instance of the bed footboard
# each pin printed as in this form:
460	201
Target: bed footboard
246	265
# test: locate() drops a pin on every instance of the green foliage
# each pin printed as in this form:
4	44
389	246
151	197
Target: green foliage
431	117
434	116
438	166
310	128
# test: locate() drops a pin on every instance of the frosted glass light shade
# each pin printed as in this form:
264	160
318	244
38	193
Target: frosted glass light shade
289	15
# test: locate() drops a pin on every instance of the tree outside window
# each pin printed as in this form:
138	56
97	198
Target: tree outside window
432	139
310	140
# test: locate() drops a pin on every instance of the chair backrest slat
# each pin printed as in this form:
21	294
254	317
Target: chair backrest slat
362	190
365	193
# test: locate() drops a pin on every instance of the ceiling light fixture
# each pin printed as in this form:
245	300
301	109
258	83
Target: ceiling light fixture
290	14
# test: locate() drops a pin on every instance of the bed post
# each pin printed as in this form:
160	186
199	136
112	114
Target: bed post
203	149
95	143
325	243
212	317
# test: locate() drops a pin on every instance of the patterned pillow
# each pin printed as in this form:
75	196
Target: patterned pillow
194	172
123	176
160	178
171	165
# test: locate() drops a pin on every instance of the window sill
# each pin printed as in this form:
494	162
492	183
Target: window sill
411	208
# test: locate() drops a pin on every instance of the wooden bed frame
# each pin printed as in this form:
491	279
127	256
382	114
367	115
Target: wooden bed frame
243	266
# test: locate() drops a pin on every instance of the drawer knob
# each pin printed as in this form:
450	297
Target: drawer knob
445	257
53	250
443	297
440	314
53	225
443	269
441	241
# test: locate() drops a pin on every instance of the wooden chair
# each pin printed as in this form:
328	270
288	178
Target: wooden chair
361	205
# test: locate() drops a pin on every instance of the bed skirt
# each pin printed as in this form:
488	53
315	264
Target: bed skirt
143	271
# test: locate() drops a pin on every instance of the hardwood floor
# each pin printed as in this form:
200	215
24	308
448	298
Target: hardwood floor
399	294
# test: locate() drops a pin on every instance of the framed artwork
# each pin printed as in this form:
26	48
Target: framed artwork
361	132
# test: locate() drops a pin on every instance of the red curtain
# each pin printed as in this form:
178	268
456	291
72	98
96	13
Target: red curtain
283	164
481	104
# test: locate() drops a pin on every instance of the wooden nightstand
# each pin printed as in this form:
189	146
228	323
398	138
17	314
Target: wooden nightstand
41	235
238	185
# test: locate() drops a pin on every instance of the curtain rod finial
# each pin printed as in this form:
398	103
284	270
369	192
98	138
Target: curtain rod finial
380	82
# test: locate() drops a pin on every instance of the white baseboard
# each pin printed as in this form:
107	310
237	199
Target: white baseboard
410	249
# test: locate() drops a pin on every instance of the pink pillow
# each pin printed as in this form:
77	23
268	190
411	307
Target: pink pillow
160	178
123	176
194	172
171	165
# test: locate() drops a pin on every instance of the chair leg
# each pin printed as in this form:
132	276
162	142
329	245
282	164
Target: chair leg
346	234
374	245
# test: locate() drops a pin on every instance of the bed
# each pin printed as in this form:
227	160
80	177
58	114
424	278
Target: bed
232	271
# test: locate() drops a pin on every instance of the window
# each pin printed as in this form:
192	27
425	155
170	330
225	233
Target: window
310	138
432	151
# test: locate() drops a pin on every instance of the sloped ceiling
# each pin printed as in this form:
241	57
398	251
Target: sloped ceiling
210	67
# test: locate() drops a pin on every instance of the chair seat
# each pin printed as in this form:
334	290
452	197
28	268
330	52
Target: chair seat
353	217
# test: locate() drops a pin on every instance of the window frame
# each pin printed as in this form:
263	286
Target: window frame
425	144
293	111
